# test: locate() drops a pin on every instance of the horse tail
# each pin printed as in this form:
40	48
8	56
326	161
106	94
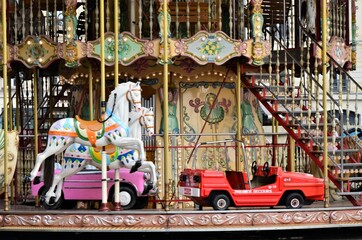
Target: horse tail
48	171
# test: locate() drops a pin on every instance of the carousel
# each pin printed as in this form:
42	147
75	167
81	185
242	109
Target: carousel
106	103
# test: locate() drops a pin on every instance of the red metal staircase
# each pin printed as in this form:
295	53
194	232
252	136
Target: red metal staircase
288	119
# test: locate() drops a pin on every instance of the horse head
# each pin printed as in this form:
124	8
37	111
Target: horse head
144	118
147	120
134	95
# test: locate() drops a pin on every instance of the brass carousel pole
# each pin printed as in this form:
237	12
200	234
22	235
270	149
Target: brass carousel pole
90	91
5	119
117	204
35	109
104	205
238	111
165	102
325	126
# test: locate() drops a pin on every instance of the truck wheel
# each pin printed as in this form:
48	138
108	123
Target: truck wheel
127	197
220	202
294	200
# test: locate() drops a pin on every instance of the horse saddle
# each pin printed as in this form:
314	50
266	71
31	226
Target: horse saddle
110	149
89	130
93	125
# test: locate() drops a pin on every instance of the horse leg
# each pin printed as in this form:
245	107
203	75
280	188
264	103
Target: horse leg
149	167
50	150
131	143
58	181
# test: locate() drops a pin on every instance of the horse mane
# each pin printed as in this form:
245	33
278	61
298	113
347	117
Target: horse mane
116	91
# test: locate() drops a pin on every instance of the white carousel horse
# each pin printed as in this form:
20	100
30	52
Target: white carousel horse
78	156
113	130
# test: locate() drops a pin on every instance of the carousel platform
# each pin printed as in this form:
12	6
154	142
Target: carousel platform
340	214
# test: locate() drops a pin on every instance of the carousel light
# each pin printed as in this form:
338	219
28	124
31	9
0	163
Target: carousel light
28	42
29	60
124	59
112	74
40	60
125	39
174	74
203	39
153	74
147	77
40	42
202	74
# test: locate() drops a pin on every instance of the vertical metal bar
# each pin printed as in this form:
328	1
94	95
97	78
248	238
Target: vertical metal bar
324	73
108	13
104	205
238	111
140	18
151	19
15	23
165	101
117	205
35	107
5	124
90	79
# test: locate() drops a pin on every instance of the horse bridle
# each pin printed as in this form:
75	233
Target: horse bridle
129	93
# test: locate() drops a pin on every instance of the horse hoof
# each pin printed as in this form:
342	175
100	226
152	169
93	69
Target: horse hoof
136	166
147	188
52	200
26	179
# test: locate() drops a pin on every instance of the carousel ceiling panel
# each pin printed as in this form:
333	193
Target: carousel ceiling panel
130	48
36	51
207	47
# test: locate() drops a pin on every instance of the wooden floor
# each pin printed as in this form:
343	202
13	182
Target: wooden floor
31	218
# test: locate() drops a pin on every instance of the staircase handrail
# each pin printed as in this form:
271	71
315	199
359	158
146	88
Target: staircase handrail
328	55
302	67
350	78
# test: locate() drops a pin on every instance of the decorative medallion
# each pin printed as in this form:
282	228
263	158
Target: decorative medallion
36	51
207	47
338	50
130	48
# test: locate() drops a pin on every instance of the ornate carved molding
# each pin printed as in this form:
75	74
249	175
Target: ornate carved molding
175	221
